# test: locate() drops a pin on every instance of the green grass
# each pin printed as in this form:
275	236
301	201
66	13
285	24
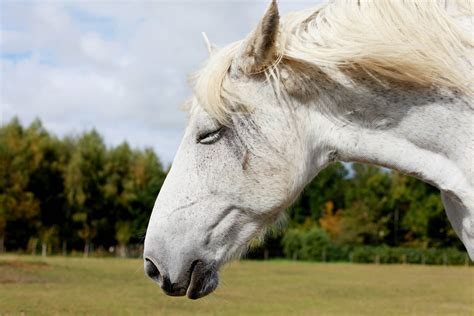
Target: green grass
61	286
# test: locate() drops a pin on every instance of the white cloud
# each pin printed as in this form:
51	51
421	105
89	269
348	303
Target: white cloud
118	66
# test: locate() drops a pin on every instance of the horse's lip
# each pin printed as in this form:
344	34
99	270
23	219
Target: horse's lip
204	279
177	292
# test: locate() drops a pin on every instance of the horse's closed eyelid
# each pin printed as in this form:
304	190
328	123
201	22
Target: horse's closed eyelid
210	137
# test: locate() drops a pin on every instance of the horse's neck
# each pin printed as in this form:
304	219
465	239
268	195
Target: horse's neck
425	134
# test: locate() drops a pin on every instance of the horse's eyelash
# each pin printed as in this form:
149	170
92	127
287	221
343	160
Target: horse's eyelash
210	137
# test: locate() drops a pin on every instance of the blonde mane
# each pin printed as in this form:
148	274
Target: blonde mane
413	41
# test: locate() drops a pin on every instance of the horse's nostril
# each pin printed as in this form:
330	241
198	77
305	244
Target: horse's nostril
151	270
193	266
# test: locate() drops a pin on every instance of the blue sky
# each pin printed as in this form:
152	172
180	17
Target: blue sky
120	67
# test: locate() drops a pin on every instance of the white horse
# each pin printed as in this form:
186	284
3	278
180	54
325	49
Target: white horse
387	83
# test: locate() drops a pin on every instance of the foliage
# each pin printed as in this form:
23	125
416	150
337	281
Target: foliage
448	256
19	156
76	193
123	232
292	243
329	185
70	193
314	244
306	245
330	221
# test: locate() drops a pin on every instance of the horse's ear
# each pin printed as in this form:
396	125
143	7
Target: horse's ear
259	49
211	48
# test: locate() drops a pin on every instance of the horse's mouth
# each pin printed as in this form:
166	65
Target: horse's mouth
204	279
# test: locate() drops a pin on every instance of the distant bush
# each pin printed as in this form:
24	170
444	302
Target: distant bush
456	257
338	253
364	254
310	244
315	245
414	255
384	254
292	243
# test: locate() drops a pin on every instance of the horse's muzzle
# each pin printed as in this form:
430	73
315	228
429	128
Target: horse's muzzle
202	278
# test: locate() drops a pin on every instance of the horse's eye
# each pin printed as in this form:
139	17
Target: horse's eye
210	137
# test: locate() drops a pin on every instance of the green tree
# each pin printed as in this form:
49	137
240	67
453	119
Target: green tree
328	185
365	220
17	160
423	221
46	182
84	183
148	175
123	233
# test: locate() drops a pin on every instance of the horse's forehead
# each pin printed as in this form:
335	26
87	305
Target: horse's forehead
193	108
198	117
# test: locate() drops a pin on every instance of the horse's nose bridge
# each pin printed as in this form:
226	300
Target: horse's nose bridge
168	264
173	205
171	248
176	230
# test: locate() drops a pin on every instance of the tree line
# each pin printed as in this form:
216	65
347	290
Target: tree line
72	193
364	213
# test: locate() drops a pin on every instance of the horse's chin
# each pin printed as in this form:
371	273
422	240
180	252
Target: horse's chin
204	280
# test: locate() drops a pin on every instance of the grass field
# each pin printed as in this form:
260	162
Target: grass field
61	286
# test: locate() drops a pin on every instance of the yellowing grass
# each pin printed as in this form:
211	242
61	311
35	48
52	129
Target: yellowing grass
61	286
